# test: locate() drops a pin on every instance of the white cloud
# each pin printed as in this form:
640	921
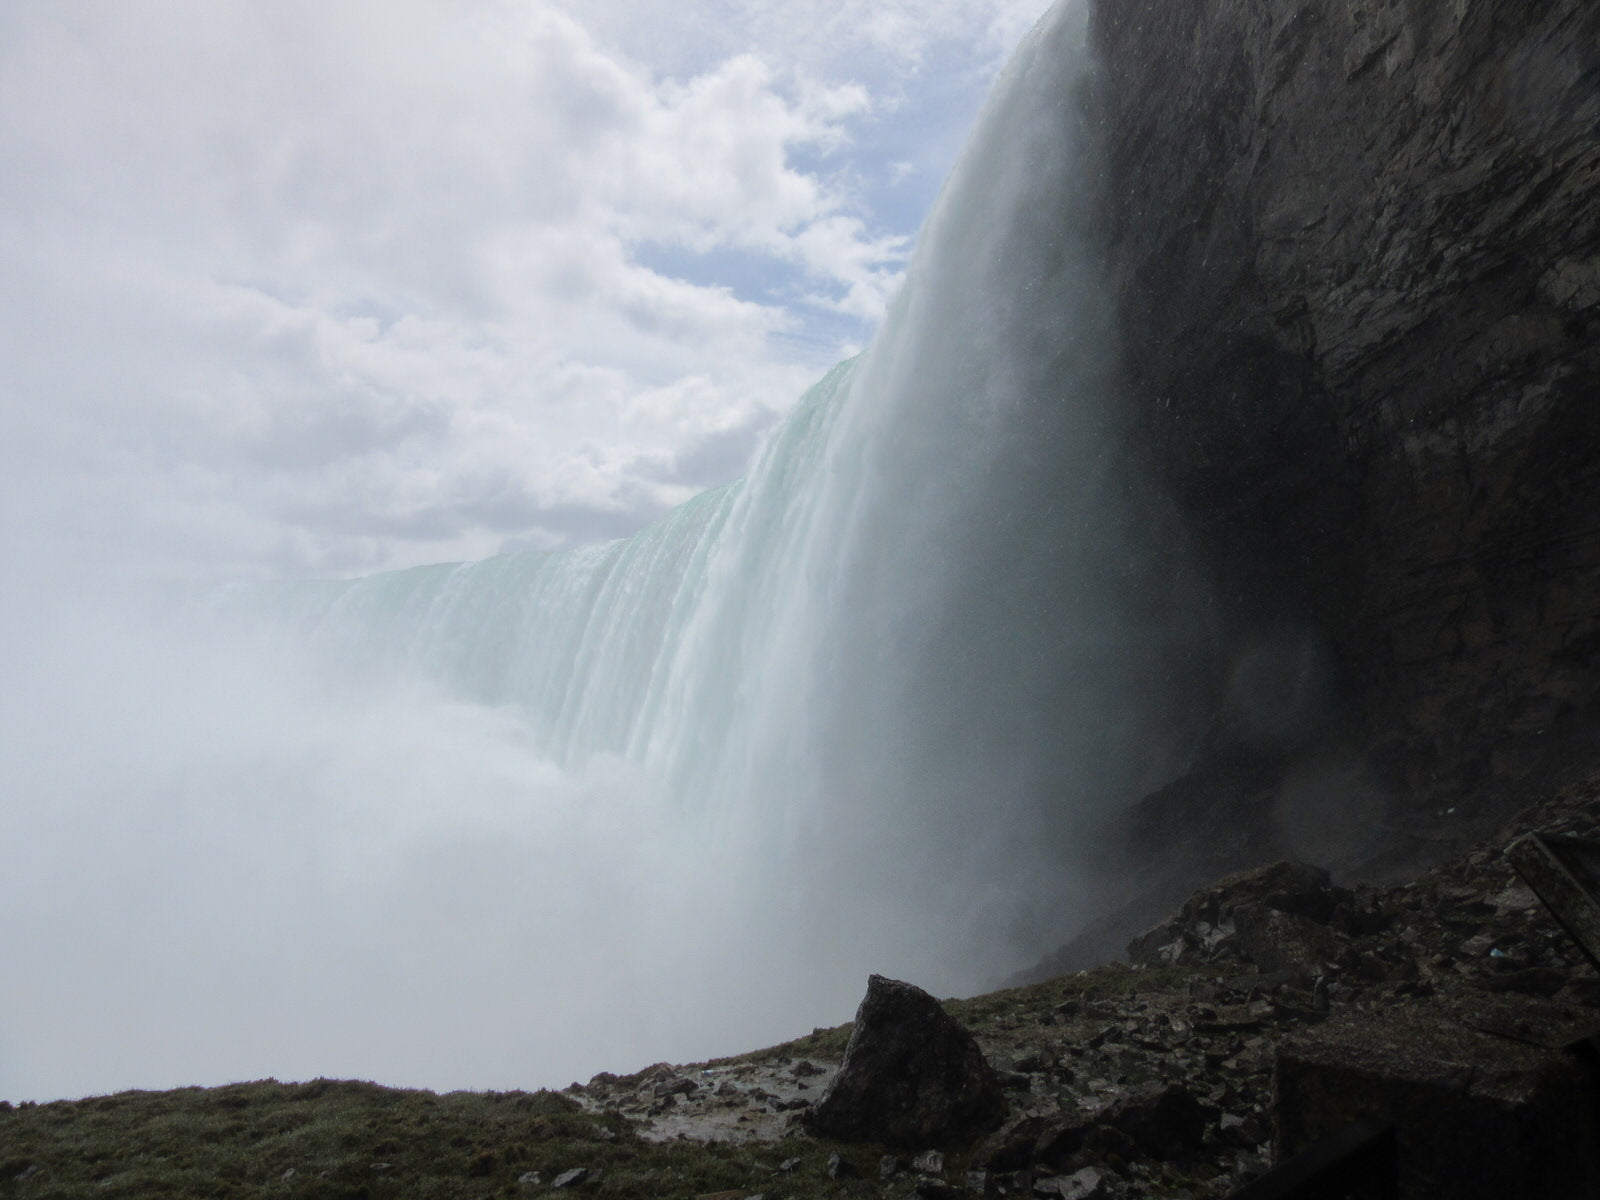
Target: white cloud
828	38
301	287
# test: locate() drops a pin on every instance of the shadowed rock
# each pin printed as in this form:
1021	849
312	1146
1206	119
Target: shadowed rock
1157	1121
1276	916
1488	1099
911	1076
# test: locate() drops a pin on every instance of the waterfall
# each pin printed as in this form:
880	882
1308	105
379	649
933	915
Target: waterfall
864	710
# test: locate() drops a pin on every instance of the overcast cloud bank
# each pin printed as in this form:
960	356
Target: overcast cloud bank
299	288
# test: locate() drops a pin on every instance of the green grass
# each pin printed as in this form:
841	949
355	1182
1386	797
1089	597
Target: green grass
343	1140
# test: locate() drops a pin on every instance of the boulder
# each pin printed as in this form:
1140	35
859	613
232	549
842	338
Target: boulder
911	1076
1162	1121
1487	1099
1022	1140
1282	941
1157	1121
1284	901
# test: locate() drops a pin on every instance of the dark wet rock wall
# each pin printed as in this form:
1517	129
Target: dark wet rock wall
1357	245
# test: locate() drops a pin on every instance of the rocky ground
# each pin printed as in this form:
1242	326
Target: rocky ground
1153	1077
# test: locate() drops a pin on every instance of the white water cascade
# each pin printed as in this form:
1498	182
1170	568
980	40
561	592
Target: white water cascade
512	822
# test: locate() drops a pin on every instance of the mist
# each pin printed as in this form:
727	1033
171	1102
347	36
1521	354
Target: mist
226	865
511	822
230	862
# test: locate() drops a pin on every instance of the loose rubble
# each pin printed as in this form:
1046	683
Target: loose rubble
1154	1077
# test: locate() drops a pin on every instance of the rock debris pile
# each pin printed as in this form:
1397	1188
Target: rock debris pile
1152	1077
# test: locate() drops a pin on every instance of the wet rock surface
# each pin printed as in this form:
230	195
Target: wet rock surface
734	1100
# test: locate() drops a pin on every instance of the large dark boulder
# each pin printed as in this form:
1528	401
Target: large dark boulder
911	1077
1488	1100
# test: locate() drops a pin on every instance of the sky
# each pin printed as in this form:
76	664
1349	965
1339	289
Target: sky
299	289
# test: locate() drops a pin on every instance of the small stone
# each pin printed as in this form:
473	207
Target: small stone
978	1181
1010	1183
930	1162
571	1178
1476	947
788	1165
1032	1062
838	1168
530	1179
381	1167
1087	1184
1515	898
888	1166
1241	1131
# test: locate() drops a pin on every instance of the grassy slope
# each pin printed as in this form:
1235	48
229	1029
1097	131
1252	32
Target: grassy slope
333	1139
350	1139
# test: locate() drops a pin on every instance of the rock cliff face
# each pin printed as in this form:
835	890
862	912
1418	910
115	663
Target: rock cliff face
1357	244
